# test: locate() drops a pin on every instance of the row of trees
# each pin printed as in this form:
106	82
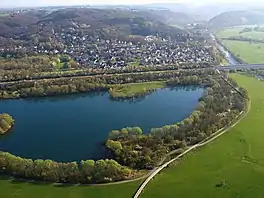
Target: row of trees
33	67
46	67
61	86
218	107
86	172
6	122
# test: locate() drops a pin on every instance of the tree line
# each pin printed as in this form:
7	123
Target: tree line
62	86
87	171
46	67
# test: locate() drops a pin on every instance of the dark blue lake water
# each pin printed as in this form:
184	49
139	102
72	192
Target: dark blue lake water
71	128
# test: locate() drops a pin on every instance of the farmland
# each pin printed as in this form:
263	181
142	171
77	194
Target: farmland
236	32
232	166
250	53
246	45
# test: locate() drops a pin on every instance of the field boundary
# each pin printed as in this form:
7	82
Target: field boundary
208	140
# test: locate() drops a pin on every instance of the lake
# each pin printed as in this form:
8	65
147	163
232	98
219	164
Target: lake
72	128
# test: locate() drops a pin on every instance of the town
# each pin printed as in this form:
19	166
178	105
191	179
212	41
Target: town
118	53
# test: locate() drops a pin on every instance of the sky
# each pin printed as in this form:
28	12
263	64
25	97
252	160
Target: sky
22	3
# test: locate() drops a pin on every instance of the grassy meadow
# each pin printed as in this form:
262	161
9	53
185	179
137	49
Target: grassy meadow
235	31
134	89
14	189
231	166
249	52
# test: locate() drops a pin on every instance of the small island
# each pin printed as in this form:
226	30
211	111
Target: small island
134	90
6	123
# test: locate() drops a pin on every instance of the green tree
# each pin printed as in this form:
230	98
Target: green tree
113	145
87	169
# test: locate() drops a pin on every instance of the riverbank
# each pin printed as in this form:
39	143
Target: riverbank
134	90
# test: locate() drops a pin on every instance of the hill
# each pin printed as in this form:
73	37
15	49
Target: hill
237	18
95	22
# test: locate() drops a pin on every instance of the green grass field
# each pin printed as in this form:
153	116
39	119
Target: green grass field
9	189
235	32
251	53
231	166
133	89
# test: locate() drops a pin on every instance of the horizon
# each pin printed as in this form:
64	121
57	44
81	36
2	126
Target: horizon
47	3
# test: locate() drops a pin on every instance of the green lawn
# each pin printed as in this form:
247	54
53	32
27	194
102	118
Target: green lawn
133	89
251	53
236	160
9	189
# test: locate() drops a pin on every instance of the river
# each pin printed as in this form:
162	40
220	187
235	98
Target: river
72	128
231	60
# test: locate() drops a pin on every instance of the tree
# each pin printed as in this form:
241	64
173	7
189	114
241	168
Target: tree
4	125
113	145
134	131
114	134
87	169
